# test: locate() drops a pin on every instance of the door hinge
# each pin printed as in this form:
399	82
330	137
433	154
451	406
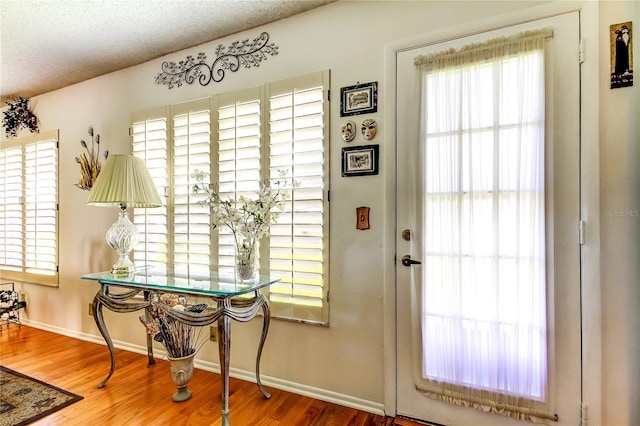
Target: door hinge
581	232
583	415
581	51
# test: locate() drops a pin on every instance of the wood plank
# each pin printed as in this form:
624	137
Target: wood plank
141	395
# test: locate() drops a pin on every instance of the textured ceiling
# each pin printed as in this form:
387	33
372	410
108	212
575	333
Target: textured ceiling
49	44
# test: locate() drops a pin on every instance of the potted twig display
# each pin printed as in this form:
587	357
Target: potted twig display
179	339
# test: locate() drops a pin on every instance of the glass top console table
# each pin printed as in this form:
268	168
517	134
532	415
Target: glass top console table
141	291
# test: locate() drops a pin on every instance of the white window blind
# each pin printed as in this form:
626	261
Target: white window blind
242	139
150	143
298	242
11	204
29	212
239	159
191	151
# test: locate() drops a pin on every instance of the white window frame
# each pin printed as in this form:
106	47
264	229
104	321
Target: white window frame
183	214
35	227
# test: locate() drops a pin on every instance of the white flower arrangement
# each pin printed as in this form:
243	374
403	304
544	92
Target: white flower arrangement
248	219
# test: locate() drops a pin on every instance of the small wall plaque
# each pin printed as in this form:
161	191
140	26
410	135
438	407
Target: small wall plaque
362	214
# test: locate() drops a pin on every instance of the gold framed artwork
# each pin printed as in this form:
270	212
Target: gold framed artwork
621	47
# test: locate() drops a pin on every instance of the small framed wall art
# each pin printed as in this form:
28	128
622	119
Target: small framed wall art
621	46
359	99
360	160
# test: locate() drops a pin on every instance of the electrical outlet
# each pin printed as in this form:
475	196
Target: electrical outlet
90	311
213	333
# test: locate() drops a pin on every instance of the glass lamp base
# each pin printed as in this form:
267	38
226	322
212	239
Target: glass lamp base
123	267
122	237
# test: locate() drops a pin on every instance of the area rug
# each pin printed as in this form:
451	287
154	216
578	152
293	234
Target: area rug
24	400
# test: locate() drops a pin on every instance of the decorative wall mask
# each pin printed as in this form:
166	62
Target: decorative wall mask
348	131
246	53
369	129
19	116
89	161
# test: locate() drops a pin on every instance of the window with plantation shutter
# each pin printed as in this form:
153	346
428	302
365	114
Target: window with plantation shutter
298	245
242	139
29	209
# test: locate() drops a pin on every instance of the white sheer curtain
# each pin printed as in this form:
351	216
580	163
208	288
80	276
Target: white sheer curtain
484	276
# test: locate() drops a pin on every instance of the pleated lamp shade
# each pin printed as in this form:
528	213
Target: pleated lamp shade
124	181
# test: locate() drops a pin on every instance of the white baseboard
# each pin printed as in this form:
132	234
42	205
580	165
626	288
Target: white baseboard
274	382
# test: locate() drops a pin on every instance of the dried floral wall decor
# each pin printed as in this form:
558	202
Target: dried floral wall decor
89	161
246	53
19	116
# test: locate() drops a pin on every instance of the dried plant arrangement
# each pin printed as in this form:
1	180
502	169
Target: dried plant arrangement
178	338
89	161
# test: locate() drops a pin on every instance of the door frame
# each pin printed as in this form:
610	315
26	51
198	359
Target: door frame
591	320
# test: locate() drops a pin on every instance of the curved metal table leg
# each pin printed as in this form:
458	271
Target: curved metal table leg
263	338
147	314
96	307
224	349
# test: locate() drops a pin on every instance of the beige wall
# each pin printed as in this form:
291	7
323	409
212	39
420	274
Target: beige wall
620	235
351	361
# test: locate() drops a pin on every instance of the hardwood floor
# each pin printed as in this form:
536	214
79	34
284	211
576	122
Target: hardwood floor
137	395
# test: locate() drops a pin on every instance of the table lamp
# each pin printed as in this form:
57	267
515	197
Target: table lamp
124	182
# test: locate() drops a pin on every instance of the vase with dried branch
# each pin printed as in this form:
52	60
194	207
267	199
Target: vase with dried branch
89	161
179	339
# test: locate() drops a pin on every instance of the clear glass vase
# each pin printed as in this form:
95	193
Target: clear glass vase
246	260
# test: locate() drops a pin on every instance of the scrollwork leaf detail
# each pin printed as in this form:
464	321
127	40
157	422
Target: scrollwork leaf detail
246	53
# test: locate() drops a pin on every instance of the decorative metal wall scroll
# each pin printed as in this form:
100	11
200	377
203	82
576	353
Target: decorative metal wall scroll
246	53
19	116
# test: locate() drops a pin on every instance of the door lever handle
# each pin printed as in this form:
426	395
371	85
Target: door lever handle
407	261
